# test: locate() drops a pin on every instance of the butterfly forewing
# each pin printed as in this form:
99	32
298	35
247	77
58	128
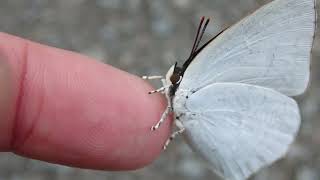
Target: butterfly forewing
269	48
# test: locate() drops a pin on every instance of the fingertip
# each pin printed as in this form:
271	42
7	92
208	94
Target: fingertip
79	112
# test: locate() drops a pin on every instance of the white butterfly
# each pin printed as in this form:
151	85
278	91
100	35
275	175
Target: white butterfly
230	97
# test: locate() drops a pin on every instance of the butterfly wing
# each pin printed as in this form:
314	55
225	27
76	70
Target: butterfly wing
269	48
238	128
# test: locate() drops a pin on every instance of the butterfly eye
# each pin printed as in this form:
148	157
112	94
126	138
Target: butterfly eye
175	78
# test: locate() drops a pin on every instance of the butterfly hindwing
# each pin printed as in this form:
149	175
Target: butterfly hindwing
239	128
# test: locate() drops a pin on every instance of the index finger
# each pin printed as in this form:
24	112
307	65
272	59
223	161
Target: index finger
65	108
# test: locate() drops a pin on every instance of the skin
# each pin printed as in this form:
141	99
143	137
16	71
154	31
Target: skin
65	108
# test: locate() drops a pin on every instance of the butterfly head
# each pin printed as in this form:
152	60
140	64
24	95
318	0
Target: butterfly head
174	75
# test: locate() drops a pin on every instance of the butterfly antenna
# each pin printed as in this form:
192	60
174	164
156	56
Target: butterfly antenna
201	35
196	43
197	36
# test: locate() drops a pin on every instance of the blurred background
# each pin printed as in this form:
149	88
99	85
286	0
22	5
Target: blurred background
146	37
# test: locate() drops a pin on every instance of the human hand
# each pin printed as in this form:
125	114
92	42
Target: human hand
62	107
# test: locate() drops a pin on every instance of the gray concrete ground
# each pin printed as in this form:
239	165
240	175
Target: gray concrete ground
145	37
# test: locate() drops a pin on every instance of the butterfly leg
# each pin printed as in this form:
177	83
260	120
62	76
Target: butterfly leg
163	118
152	77
173	135
166	112
164	84
162	89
